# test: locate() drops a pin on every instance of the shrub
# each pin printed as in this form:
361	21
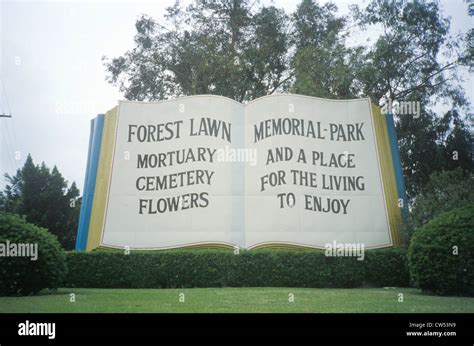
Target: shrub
254	268
22	275
387	267
434	265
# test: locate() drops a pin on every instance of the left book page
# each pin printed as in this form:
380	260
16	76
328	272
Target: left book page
174	180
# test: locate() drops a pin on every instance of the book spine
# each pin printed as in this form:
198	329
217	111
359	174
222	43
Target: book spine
95	140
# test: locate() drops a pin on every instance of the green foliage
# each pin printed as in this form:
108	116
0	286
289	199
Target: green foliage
325	71
386	267
446	190
403	61
441	254
323	66
220	47
22	275
42	196
431	144
256	268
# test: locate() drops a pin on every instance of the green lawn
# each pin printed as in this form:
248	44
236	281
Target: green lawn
237	300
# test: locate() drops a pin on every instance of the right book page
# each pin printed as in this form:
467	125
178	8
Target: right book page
317	177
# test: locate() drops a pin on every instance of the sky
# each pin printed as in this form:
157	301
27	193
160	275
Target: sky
52	78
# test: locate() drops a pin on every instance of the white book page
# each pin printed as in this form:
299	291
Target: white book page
138	215
321	212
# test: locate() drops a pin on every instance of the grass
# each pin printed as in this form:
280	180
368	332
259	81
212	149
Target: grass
237	300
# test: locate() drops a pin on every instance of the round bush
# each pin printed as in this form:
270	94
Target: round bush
441	254
21	275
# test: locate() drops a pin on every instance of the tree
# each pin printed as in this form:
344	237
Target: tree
415	59
322	65
43	197
220	47
454	137
432	144
445	191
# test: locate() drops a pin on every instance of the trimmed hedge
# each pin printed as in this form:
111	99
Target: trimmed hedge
434	266
256	268
22	275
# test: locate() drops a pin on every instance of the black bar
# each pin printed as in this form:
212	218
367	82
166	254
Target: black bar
218	329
